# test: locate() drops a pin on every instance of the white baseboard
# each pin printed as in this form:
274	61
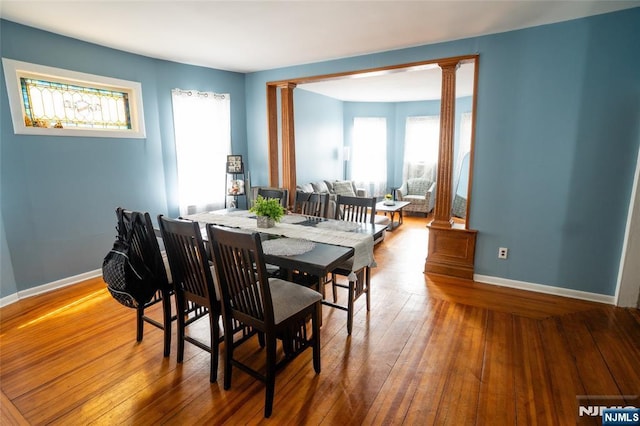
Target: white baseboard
486	279
541	288
12	298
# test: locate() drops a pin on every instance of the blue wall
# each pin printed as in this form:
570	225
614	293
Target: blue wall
556	147
557	138
324	125
318	130
59	194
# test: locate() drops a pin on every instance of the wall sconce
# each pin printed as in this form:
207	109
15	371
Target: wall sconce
346	156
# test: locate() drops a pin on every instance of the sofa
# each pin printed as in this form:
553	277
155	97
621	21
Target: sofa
420	193
333	188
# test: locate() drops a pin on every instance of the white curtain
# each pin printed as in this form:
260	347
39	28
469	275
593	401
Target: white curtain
202	124
421	141
369	156
463	146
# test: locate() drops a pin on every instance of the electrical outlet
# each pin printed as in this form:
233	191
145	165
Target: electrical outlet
503	252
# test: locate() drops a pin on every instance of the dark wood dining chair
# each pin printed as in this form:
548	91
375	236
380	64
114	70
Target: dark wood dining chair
193	280
281	194
356	209
361	210
275	308
145	244
311	204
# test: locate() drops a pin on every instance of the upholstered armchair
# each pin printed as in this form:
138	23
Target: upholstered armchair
421	193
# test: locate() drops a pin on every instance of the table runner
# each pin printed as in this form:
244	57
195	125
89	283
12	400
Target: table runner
362	243
287	246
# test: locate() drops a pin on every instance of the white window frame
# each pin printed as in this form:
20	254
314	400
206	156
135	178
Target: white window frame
429	141
369	162
14	70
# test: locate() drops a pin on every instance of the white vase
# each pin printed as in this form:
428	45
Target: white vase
389	202
265	222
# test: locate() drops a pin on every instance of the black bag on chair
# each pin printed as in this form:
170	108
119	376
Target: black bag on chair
128	279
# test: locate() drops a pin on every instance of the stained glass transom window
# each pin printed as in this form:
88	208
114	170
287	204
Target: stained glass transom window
57	102
51	104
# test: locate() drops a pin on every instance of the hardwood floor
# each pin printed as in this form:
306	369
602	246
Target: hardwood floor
432	350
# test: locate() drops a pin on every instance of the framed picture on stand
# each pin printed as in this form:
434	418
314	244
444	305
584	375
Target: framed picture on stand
234	164
235	187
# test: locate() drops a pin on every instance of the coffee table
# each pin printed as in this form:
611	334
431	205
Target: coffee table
392	210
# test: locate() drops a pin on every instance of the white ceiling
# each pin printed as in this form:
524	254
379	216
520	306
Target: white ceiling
247	36
402	86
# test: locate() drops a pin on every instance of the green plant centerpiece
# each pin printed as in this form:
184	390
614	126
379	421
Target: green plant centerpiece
388	200
268	211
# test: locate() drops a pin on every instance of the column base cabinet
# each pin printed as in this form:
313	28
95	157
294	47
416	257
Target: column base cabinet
451	252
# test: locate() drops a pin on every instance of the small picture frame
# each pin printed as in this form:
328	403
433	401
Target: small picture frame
235	187
234	164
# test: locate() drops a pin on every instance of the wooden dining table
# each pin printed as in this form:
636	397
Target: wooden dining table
317	262
333	241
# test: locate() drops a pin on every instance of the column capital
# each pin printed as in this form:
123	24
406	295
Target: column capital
449	64
287	85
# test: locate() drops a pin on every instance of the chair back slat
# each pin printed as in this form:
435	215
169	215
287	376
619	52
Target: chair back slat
242	276
356	209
